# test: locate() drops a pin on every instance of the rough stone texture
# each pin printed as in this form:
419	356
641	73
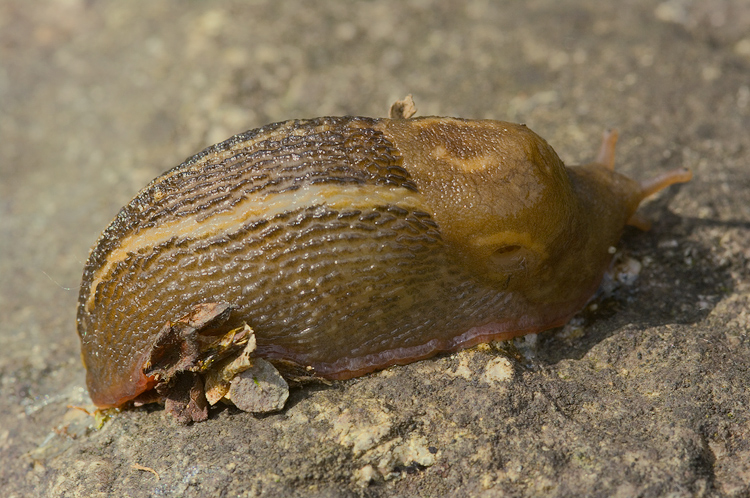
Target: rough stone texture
261	389
645	396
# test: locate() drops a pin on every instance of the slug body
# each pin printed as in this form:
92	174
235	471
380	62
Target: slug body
351	244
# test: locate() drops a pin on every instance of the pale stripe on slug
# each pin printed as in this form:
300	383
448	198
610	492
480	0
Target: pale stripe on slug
274	159
248	212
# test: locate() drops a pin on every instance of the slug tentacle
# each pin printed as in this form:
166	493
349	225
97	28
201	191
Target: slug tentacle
653	185
346	244
640	222
606	154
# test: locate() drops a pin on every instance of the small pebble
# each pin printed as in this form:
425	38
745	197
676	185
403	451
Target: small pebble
260	389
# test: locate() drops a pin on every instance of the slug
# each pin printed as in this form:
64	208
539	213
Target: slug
349	244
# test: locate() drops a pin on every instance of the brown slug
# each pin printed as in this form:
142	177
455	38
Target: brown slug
349	244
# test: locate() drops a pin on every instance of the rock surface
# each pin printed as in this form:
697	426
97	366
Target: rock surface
647	395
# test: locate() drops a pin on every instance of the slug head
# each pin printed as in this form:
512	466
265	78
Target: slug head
606	201
512	213
628	192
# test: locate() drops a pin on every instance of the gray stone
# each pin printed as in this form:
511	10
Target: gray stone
259	389
646	395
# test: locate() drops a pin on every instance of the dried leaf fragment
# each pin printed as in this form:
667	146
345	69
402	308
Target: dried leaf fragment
218	378
403	109
185	399
183	350
138	466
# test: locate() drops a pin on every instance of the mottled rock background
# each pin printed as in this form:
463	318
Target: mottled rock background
645	396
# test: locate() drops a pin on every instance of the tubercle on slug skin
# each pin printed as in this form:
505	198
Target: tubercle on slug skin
351	244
